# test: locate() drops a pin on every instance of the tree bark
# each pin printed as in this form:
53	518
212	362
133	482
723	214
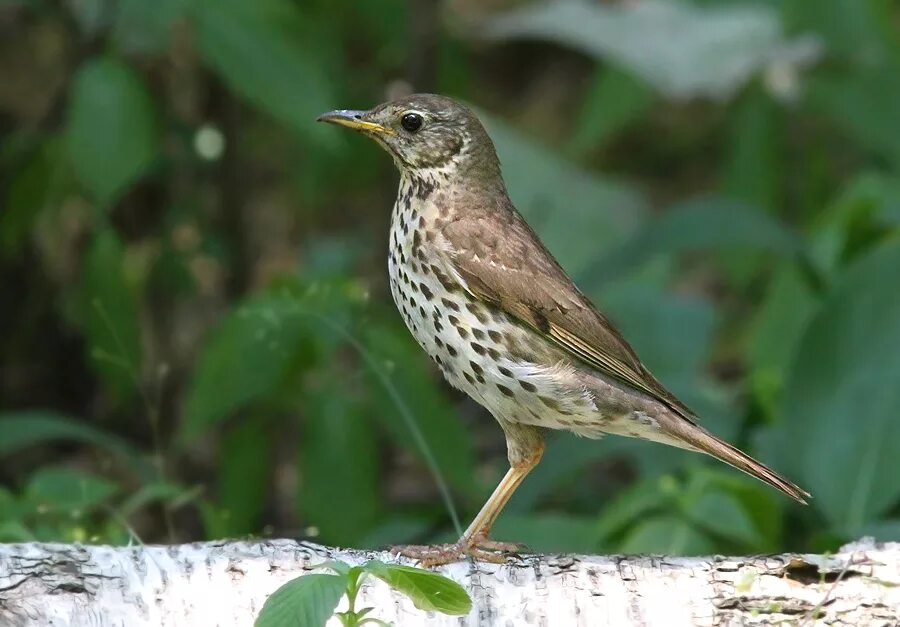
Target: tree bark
226	583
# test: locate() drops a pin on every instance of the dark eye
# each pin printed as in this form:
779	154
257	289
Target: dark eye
412	122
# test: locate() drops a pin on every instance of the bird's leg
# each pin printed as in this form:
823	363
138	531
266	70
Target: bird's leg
524	454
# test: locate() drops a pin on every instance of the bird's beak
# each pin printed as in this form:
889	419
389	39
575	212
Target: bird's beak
353	119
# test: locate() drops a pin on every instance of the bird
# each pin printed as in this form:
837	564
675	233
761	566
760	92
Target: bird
500	317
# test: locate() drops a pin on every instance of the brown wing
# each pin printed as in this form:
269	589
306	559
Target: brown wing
499	259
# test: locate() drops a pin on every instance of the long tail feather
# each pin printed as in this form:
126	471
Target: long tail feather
705	442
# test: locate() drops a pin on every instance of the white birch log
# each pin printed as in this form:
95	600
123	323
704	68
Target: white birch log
226	583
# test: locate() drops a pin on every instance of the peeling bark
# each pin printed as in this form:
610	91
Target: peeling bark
226	583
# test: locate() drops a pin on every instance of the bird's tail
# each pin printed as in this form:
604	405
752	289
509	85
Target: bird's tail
702	440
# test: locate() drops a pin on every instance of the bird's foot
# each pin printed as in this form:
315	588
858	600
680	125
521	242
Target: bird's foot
481	549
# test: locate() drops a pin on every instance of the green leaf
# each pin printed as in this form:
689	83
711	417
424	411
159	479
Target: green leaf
307	601
245	470
339	469
36	187
667	535
724	514
614	101
156	492
867	208
862	105
64	489
842	398
577	213
407	368
260	50
245	358
111	130
633	504
754	169
21	429
427	590
786	308
112	328
549	533
717	50
707	223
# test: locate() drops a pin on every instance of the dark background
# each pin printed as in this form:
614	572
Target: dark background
196	334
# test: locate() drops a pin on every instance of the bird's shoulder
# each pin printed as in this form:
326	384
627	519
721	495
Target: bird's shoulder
497	257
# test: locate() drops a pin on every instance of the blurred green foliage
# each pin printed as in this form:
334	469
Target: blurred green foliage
199	343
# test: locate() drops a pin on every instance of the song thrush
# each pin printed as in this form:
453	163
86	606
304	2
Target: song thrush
500	317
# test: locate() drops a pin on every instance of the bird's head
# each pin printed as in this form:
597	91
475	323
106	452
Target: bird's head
425	132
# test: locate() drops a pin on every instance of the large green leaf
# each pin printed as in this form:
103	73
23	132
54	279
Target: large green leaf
717	50
613	101
111	317
842	400
36	186
246	357
666	535
754	169
111	130
577	214
406	369
307	601
339	474
54	489
245	469
260	50
862	105
549	533
706	223
21	429
777	328
427	590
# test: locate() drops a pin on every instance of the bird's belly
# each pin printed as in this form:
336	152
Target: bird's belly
502	365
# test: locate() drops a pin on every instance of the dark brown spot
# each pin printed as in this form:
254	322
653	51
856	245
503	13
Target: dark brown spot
505	372
469	378
494	353
478	312
439	342
505	390
528	387
415	288
478	333
437	360
425	270
463	333
478	348
480	378
495	335
449	304
426	292
453	352
437	325
421	222
429	235
453	320
549	402
445	281
421	311
476	368
417	239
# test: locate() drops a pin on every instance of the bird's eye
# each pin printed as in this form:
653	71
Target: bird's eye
412	122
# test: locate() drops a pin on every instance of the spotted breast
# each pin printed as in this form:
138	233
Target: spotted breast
479	349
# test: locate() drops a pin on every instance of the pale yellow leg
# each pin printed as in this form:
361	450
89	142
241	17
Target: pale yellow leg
474	541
